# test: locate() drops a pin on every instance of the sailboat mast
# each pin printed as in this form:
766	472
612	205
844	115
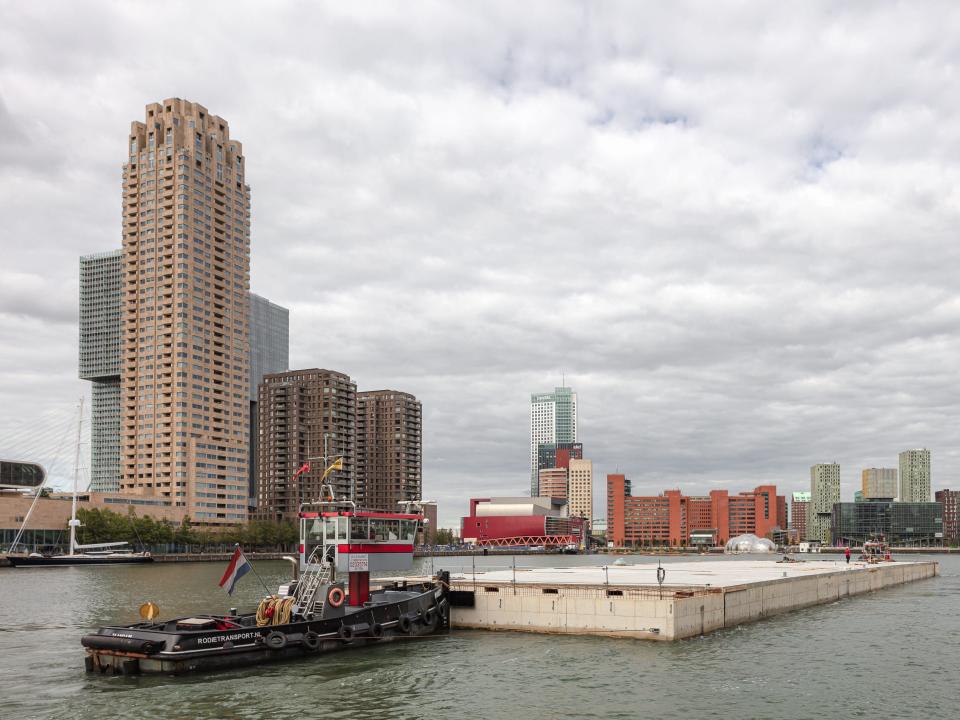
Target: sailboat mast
76	473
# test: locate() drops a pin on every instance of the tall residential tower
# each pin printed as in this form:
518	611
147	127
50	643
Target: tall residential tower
553	420
915	476
389	450
304	415
824	494
185	374
879	483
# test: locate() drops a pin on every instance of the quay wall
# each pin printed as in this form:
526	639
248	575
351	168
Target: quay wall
645	613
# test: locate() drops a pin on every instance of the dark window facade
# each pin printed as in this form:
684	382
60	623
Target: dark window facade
899	523
20	474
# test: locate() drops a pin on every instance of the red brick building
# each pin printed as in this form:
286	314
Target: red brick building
798	514
672	518
950	499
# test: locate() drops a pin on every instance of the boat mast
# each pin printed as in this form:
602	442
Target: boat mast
76	472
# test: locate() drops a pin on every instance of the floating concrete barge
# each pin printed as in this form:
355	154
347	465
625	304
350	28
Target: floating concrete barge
696	597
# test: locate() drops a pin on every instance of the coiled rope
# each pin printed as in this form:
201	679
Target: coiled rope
274	610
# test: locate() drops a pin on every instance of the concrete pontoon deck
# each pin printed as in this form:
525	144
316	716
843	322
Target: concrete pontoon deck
696	597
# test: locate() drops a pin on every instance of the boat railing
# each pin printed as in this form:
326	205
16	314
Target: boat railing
317	574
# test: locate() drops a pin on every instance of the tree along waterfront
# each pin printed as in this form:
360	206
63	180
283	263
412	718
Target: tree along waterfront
162	537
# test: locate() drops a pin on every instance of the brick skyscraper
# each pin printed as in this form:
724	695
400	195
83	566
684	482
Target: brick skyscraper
297	409
185	316
389	450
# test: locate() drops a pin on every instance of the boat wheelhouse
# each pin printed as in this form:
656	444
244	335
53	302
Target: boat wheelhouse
356	543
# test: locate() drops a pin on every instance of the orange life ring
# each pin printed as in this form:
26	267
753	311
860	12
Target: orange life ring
336	596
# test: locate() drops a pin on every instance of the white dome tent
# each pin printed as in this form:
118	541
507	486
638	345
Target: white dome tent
749	543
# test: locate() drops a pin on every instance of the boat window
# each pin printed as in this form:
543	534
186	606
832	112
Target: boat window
313	529
385	530
342	528
330	528
408	529
359	529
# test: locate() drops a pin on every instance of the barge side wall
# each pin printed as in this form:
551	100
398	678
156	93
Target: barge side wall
641	613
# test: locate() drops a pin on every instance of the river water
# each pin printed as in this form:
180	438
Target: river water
890	654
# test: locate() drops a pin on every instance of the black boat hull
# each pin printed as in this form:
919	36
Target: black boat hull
418	611
66	560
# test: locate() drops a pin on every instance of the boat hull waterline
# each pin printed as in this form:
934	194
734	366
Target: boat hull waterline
398	612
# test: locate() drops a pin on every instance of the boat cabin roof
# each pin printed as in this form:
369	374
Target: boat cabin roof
351	513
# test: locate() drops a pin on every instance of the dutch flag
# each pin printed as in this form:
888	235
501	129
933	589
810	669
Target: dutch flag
238	567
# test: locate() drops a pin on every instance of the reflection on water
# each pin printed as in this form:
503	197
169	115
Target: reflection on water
888	654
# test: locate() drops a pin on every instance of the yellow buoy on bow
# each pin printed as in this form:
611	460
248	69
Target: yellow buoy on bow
149	611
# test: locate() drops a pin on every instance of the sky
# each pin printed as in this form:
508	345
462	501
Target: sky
731	227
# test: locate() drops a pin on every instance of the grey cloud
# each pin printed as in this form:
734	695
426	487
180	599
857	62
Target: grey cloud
732	226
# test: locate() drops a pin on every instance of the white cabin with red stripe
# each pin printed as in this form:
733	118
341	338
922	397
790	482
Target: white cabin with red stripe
359	541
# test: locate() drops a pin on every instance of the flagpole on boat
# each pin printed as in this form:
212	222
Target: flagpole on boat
255	571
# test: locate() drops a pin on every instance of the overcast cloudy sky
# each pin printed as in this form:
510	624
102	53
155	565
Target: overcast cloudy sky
732	225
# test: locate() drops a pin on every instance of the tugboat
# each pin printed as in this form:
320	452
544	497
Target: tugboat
876	551
317	612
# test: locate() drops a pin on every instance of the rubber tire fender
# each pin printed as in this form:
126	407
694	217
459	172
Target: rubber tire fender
275	640
403	622
310	640
346	633
376	631
431	618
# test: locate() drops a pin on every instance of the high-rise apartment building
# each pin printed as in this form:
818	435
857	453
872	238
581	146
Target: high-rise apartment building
101	282
185	373
389	449
915	476
799	502
824	494
580	489
269	353
304	415
553	419
879	483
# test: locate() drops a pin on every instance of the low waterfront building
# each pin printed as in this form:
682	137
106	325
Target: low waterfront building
950	499
516	521
899	523
47	527
675	520
599	527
